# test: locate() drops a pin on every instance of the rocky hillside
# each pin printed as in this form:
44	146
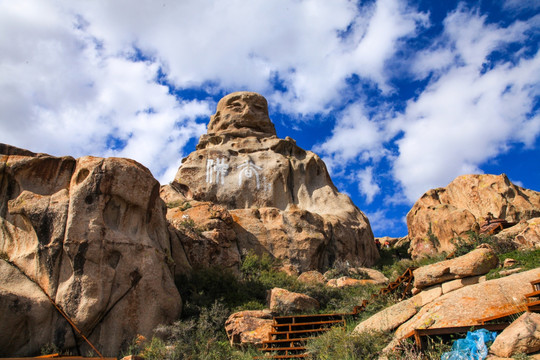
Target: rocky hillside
100	239
89	235
444	214
265	194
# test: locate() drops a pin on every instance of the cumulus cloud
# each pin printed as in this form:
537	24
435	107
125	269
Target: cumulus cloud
474	107
309	46
470	112
99	77
367	185
65	95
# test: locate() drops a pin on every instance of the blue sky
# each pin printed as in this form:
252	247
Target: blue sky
396	96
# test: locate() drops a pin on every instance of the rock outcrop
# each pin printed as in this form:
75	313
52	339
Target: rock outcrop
250	327
443	214
287	302
280	197
522	336
91	234
477	262
465	306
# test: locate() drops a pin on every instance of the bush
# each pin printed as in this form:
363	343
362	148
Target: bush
339	343
197	338
499	244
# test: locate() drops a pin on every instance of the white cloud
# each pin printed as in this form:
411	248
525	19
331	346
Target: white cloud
64	95
367	185
237	44
470	112
355	137
74	83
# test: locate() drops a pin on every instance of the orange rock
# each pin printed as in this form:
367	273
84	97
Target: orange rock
284	301
462	206
250	327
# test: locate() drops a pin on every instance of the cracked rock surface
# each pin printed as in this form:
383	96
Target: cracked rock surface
91	234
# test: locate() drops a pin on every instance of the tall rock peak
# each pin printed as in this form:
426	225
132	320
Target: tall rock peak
275	187
242	114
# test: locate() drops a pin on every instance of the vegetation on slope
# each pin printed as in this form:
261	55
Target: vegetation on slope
212	294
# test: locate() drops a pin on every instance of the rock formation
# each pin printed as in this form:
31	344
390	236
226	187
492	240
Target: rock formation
522	336
249	327
280	197
443	214
288	302
92	235
464	306
477	262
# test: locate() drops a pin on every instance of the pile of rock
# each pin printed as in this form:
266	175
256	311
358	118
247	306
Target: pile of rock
251	327
453	293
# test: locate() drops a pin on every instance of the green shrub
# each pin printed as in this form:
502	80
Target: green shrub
526	260
339	343
407	350
183	205
500	245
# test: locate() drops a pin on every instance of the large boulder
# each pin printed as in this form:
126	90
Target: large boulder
249	327
477	262
466	306
281	197
286	302
525	234
443	214
90	233
312	277
522	336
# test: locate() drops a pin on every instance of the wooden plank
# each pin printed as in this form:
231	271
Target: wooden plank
533	294
518	309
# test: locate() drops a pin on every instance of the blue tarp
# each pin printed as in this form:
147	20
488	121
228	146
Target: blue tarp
473	347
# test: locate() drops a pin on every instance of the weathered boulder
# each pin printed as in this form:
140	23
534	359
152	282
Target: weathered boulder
477	262
389	318
202	235
465	306
284	301
530	237
346	281
280	196
371	274
28	318
250	327
312	277
522	336
443	214
92	234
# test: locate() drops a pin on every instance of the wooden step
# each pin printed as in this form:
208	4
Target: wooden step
290	327
277	318
285	340
533	294
291	342
514	311
533	306
296	332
